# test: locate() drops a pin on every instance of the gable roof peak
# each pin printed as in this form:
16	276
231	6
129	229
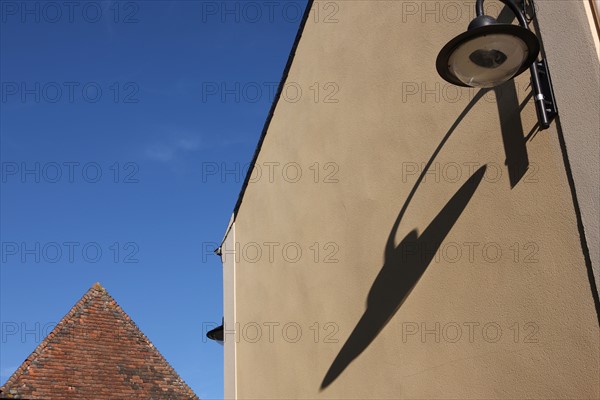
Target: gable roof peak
97	341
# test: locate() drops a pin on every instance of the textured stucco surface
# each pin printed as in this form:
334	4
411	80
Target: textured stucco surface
377	53
576	79
229	297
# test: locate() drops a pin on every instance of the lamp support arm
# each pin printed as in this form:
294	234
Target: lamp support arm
510	4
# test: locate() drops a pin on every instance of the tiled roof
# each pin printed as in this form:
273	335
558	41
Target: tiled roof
96	352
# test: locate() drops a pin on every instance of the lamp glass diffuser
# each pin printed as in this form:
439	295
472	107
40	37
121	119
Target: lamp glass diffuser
489	60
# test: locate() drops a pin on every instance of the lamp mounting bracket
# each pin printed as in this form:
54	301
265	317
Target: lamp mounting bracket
546	89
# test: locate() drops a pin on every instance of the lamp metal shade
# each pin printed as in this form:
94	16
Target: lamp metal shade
487	56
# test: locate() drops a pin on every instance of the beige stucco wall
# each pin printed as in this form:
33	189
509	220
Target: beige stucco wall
382	129
229	316
576	80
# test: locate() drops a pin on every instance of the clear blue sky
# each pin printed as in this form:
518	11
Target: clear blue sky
130	90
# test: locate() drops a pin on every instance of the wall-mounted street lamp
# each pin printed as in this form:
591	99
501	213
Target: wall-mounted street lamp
490	53
216	334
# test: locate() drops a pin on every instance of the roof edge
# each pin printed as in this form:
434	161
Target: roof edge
272	110
44	343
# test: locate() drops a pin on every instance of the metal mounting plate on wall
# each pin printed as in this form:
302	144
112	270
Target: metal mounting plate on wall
547	91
